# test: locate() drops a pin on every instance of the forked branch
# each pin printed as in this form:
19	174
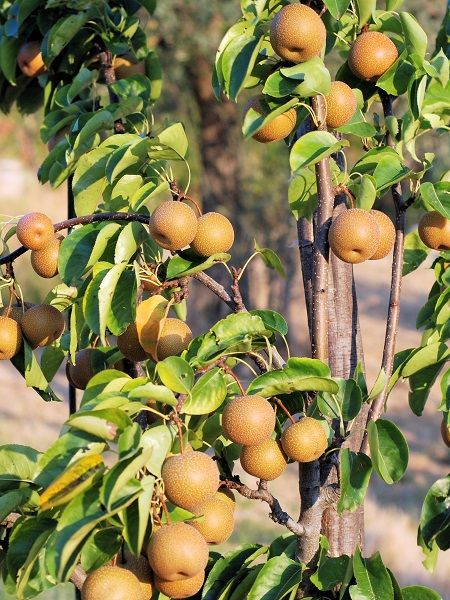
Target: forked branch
396	283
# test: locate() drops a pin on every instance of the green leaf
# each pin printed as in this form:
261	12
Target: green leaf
277	578
120	483
17	463
225	568
106	291
207	395
388	449
337	7
415	253
358	126
122	311
420	387
304	80
136	516
299	374
435	515
62	33
187	263
356	470
372	579
384	164
237	62
331	570
152	392
103	423
313	147
396	79
415	37
175	137
419	592
159	440
271	259
365	9
9	48
13	501
101	546
176	374
302	193
254	120
424	357
437	201
89	180
272	320
131	155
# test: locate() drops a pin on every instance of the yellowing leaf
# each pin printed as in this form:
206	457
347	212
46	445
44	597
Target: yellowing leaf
150	316
72	482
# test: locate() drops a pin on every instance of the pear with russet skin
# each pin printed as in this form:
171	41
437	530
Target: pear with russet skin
434	231
305	440
112	583
248	420
35	231
10	338
371	55
265	460
173	225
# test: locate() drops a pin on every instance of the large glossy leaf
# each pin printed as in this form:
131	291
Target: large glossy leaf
313	147
415	37
356	470
388	449
331	570
187	263
425	357
337	7
159	439
372	579
207	395
17	463
415	253
419	592
176	374
100	548
279	576
136	517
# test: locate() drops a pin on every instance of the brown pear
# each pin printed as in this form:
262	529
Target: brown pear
177	552
173	225
354	235
215	234
278	128
341	104
30	59
305	440
45	261
138	565
216	520
183	588
297	33
434	231
128	344
112	583
80	373
227	496
387	234
371	55
175	336
10	338
248	420
445	432
265	461
42	324
190	479
35	231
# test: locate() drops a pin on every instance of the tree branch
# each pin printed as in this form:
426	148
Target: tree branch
396	283
277	514
325	193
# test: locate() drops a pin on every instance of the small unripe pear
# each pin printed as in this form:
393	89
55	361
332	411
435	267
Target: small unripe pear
434	231
177	552
354	235
248	420
35	231
371	55
297	33
387	234
173	225
305	440
30	59
42	325
10	338
214	235
265	461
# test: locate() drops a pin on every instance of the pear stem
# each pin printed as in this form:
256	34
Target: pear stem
283	408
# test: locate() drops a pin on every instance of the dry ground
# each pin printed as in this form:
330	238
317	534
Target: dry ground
391	512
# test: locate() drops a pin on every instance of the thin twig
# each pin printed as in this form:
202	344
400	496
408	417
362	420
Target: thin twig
396	283
277	514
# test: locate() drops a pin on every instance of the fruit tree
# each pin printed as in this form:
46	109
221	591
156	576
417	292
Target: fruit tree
129	500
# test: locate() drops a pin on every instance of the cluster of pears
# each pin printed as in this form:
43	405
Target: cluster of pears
35	232
357	235
297	34
434	231
250	421
174	226
178	553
